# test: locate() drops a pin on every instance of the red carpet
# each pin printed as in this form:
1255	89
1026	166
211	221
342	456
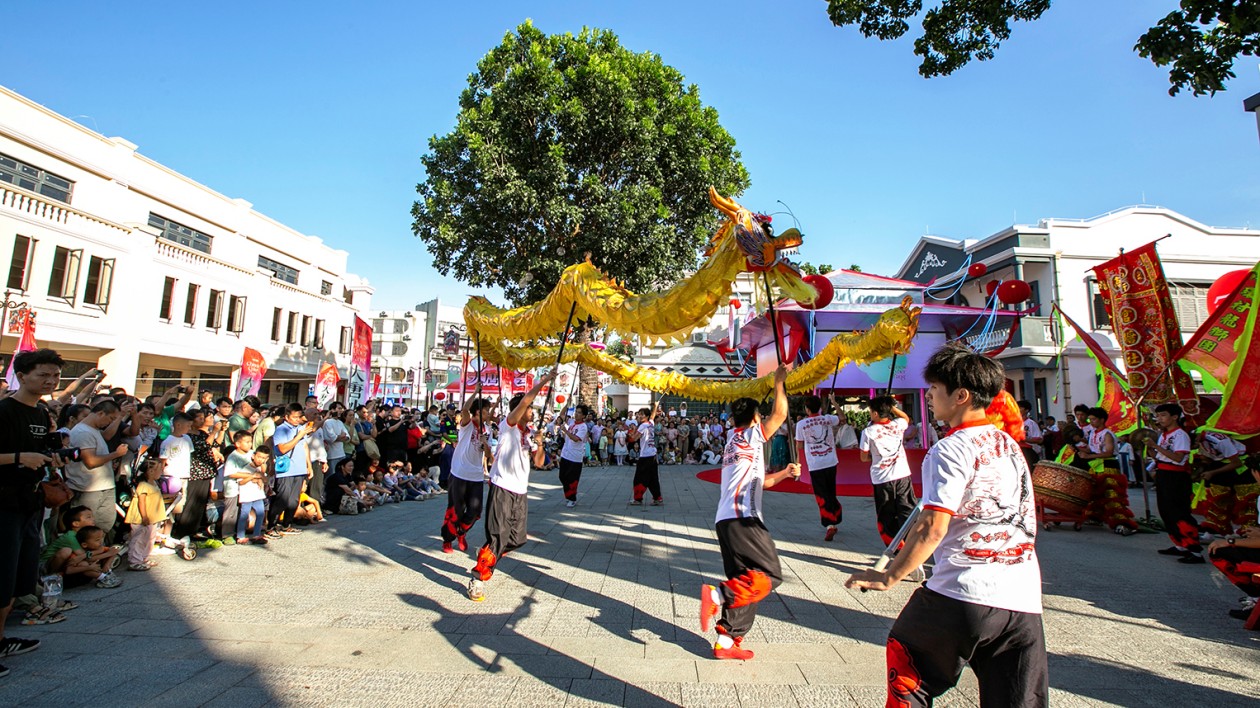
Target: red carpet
853	477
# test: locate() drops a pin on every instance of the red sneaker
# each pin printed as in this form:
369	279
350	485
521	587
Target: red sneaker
463	543
446	547
734	652
831	533
709	608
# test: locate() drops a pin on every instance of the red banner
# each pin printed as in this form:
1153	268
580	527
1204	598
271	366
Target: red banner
1142	315
360	362
1214	348
1113	393
26	343
253	370
326	384
1235	327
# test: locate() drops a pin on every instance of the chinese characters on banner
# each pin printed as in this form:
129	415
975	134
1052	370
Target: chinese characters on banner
1228	340
326	384
1213	349
1137	300
360	360
253	369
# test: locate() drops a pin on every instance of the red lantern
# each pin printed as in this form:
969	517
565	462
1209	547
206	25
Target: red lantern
735	303
825	292
561	398
1223	286
1012	292
977	269
990	287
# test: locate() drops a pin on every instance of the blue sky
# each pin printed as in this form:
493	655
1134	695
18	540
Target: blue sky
318	113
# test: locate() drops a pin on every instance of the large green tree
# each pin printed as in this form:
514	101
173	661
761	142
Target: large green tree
566	145
1199	41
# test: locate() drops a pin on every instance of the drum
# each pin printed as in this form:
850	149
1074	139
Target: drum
1062	488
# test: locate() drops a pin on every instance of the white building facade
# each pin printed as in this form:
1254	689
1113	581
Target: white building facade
136	269
1056	258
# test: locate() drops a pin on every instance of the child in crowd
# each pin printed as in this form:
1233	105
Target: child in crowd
93	561
363	495
65	554
309	510
146	514
251	482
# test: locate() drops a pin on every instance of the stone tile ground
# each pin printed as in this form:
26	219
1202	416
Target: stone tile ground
600	609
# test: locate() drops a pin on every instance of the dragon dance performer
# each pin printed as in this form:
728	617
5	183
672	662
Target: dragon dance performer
817	445
883	445
1231	490
468	473
507	504
748	554
1110	503
982	605
1173	492
573	452
647	475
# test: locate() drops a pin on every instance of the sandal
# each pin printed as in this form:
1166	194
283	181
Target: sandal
66	605
43	615
139	566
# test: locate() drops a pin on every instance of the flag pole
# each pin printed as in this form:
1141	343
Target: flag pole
778	355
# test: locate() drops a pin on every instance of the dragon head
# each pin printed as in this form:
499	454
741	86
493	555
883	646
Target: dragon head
762	250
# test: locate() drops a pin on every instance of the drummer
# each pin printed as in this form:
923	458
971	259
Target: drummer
1110	503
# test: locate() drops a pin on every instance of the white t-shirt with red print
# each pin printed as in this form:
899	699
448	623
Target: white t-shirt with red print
886	444
647	439
466	462
743	474
511	458
1178	441
816	434
978	475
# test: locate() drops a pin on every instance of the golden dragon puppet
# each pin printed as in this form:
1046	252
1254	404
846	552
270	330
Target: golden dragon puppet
743	243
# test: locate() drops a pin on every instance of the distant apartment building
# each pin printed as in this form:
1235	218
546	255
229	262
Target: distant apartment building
134	268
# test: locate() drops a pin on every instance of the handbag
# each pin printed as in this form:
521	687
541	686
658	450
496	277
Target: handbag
349	505
54	492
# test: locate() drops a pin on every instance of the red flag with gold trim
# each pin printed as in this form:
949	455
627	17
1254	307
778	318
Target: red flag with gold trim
1137	300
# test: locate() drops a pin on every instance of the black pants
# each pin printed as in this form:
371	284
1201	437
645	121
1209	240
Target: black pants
1173	495
288	490
646	478
507	517
463	508
226	526
570	475
19	550
936	635
823	481
192	519
893	503
752	571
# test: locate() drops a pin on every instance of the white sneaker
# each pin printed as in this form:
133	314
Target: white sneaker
1247	603
476	590
162	551
918	575
1206	537
570	503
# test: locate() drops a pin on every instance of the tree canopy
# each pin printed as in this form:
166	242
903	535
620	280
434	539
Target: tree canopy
1199	41
571	144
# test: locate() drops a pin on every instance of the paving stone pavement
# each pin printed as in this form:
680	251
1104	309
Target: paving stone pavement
600	608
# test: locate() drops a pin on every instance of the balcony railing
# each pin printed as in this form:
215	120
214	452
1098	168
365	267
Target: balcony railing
179	252
40	207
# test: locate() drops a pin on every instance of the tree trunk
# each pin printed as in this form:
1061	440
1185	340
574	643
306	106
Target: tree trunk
588	378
